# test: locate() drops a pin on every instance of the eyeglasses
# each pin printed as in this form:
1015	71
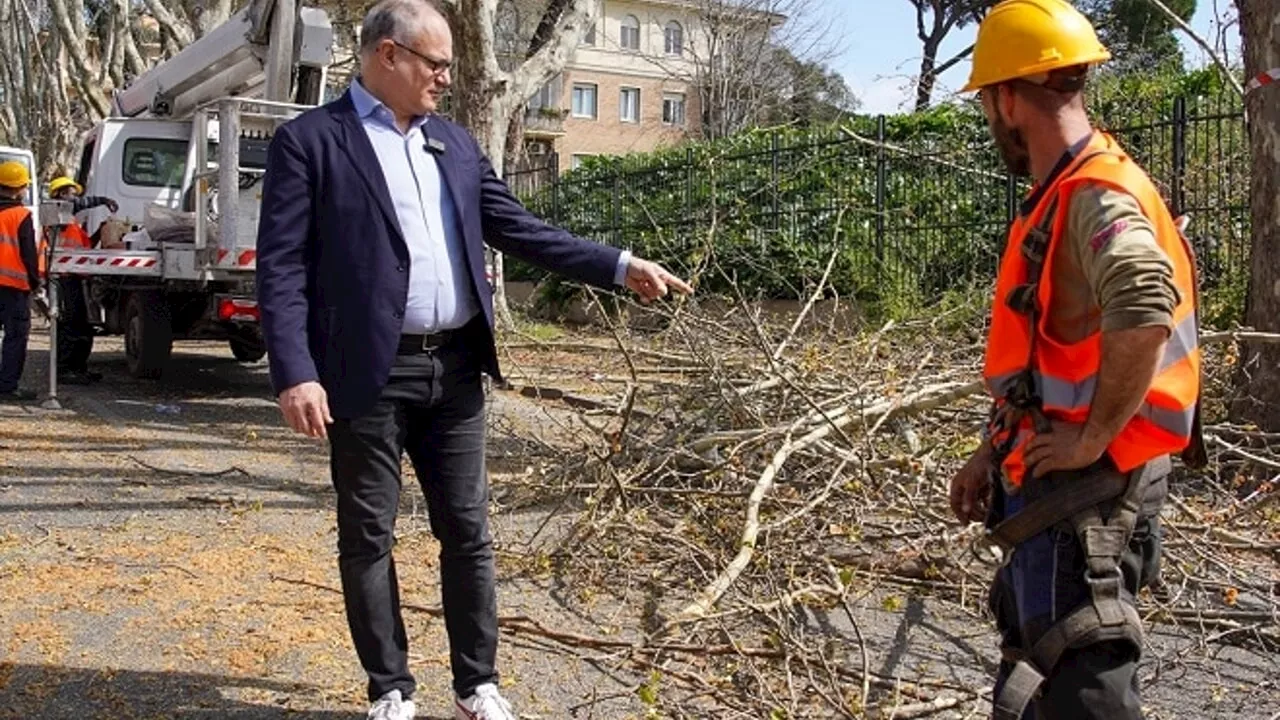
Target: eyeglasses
438	67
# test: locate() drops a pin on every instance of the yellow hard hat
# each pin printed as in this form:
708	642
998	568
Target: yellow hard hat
1023	38
58	183
13	174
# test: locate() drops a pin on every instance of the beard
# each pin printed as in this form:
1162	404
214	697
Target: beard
1013	148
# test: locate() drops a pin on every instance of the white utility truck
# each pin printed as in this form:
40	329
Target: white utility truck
183	154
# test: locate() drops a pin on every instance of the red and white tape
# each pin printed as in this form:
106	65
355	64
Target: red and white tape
1262	79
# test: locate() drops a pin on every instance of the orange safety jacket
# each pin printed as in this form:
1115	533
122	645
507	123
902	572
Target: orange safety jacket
13	273
1063	377
73	236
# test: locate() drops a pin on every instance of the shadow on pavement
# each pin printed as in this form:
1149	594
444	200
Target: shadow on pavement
52	692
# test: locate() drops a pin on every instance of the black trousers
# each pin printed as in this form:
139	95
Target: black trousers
433	409
75	334
1044	581
15	325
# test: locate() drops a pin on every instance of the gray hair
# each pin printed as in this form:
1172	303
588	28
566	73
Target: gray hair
394	20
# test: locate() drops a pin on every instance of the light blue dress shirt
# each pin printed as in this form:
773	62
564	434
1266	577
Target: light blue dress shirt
440	293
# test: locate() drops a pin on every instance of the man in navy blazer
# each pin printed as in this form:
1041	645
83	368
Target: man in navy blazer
378	322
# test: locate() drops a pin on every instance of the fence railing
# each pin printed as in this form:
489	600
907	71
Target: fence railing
915	218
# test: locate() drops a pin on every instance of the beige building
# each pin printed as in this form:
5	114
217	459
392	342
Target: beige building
628	88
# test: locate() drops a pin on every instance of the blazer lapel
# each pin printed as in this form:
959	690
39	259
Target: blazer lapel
445	160
355	143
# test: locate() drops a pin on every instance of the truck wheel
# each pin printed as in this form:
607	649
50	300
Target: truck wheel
248	351
148	335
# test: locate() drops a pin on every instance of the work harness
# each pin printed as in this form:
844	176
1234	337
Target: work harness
1111	612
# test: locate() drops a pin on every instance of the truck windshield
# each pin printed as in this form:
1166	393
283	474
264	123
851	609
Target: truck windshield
30	198
155	162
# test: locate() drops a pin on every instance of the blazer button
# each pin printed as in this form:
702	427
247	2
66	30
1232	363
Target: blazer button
399	314
399	268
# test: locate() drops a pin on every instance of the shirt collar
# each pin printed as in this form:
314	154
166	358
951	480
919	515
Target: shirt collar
1029	205
369	106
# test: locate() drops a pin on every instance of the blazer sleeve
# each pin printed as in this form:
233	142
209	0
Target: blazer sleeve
512	229
284	232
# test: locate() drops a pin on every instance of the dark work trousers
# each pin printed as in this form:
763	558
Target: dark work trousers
75	334
1042	583
433	409
15	324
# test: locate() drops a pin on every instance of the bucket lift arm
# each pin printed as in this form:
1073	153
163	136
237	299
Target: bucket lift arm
254	53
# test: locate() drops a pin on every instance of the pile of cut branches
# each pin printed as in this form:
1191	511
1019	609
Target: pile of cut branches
758	488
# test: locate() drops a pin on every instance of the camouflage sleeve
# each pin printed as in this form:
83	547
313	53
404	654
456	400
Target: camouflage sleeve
1129	274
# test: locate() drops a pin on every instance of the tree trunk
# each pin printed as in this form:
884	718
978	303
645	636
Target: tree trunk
178	30
928	76
485	97
73	40
1260	363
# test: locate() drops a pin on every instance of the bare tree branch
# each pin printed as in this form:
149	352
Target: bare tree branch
1204	44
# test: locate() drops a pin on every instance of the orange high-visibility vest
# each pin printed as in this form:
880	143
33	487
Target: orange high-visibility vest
13	273
74	236
1065	375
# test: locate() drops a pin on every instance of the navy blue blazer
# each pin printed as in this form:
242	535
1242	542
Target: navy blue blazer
332	273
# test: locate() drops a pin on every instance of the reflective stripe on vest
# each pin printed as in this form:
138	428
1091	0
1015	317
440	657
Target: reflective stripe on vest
13	273
1065	376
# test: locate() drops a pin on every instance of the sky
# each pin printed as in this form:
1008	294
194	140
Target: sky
877	51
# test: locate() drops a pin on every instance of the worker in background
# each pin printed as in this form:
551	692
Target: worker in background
75	333
1093	363
19	277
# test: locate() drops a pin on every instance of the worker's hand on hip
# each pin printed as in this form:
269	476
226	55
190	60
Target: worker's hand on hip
971	487
651	281
306	409
1066	447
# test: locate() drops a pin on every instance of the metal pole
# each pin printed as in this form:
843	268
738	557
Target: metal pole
882	167
228	173
1179	200
51	403
200	183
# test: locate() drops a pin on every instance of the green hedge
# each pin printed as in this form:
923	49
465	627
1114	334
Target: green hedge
764	210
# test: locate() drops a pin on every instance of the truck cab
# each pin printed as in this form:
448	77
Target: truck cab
136	162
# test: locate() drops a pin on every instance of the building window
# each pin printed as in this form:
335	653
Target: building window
629	104
673	39
575	160
584	100
673	109
589	35
630	38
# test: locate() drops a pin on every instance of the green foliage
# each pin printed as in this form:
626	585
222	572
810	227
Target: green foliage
916	220
1139	35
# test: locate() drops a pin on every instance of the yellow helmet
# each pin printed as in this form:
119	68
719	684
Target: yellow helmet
1022	38
13	174
58	183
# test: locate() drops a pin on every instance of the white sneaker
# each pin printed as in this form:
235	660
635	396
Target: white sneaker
485	704
391	707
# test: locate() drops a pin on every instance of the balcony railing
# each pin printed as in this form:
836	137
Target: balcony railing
544	121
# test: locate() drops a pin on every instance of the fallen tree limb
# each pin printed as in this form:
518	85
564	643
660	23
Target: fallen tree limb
917	402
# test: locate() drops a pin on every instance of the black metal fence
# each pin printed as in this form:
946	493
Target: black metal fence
915	218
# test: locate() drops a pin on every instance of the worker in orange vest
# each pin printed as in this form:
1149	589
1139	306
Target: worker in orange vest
19	277
1093	364
75	336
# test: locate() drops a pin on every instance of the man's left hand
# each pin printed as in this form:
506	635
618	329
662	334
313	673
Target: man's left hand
1066	448
651	281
